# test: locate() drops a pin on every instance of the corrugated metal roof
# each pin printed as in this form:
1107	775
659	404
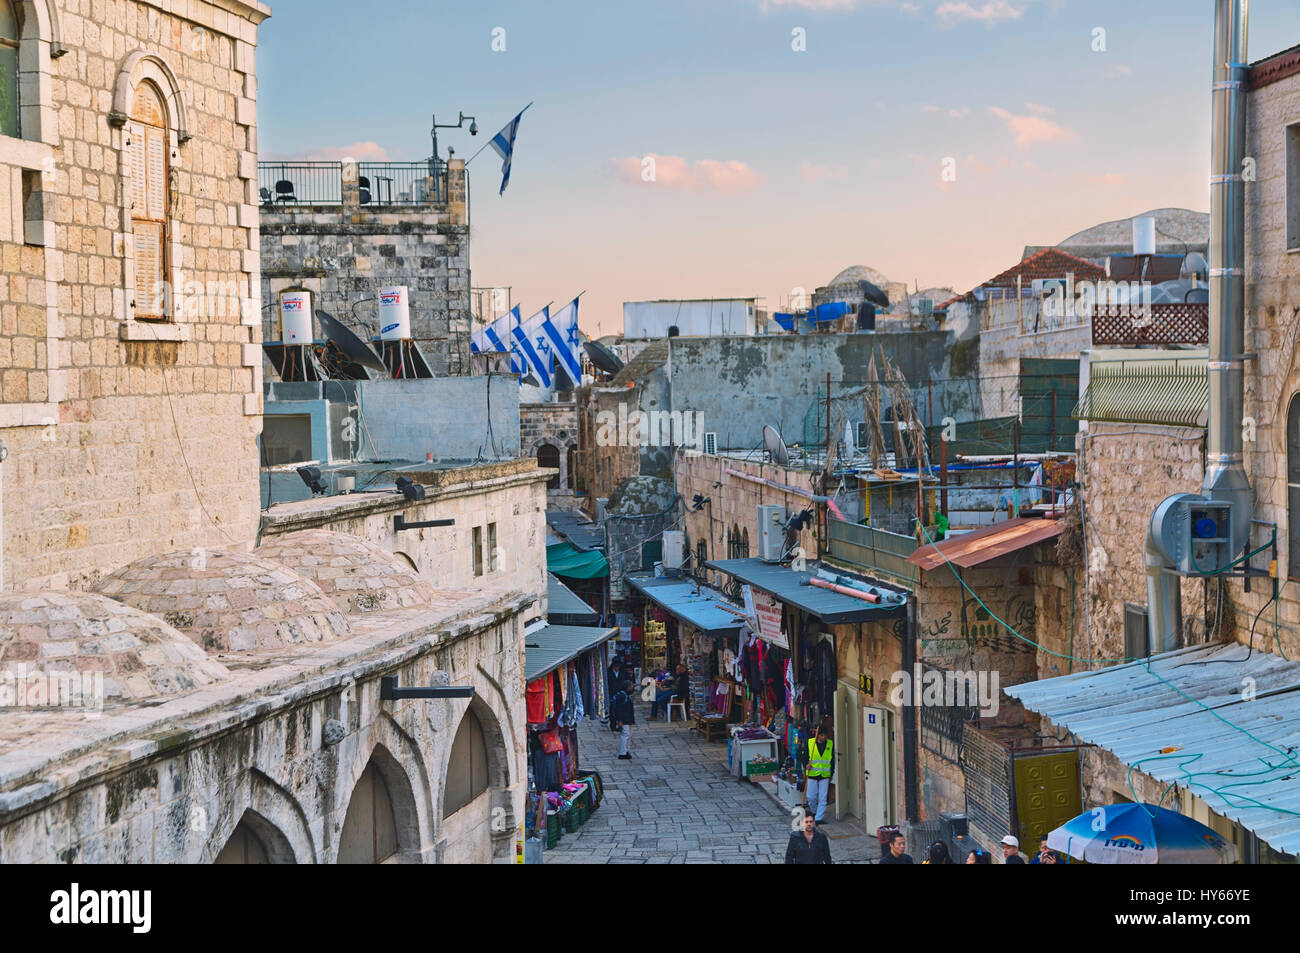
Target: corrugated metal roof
792	588
989	542
577	529
1172	391
1130	712
680	598
562	602
547	648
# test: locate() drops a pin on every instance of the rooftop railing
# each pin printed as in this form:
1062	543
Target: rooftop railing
381	184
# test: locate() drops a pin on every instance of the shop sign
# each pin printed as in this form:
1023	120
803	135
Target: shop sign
767	614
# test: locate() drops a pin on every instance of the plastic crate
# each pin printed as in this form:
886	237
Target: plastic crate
756	768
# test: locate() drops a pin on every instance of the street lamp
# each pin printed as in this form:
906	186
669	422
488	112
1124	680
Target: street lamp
433	161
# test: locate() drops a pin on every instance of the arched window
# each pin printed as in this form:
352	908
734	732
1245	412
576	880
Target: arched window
744	543
1293	488
467	766
150	201
370	828
10	32
549	458
244	847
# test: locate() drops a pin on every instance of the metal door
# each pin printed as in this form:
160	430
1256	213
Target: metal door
1047	794
877	767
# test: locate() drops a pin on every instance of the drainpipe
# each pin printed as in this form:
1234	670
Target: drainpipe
911	754
1225	473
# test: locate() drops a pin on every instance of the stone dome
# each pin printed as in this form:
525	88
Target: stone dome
228	602
855	273
140	656
356	575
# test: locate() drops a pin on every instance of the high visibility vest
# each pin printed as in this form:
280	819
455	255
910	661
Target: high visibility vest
819	763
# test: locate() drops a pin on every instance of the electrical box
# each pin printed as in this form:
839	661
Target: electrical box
674	548
771	533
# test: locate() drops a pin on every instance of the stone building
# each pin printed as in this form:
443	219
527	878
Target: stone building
549	433
343	230
129	329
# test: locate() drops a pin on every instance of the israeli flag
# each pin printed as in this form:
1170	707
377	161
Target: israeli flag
495	335
532	346
504	144
562	330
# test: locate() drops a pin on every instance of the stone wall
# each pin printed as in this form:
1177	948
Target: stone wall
510	495
554	425
110	423
602	464
282	749
344	254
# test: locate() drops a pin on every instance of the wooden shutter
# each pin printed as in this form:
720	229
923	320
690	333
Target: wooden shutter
149	209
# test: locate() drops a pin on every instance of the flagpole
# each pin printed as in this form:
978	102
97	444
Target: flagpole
489	142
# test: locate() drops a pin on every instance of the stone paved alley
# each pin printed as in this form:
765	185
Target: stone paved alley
674	802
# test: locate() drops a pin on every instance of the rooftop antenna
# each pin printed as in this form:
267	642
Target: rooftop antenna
775	446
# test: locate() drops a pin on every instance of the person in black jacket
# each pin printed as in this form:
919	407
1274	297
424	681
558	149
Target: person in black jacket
621	719
808	846
897	853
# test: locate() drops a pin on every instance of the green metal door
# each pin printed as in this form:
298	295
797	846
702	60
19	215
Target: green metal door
1047	794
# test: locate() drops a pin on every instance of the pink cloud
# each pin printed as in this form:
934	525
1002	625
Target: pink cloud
360	151
1041	110
816	172
675	172
991	12
1031	129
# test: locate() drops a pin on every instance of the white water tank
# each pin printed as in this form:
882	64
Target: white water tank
295	317
1144	236
394	313
674	548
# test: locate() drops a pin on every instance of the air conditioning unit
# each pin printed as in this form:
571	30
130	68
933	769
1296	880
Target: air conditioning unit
771	533
674	549
711	442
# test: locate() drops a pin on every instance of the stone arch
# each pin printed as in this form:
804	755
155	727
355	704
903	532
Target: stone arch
401	799
553	445
1292	504
148	65
40	41
274	815
272	844
501	813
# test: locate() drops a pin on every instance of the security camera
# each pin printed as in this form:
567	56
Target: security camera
473	129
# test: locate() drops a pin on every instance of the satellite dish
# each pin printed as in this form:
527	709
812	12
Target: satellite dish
356	349
603	357
775	446
873	294
1194	266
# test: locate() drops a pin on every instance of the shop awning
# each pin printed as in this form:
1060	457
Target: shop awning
547	648
563	607
564	559
1187	721
700	608
986	543
577	529
792	588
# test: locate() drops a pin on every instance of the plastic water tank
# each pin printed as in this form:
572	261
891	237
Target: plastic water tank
394	313
295	317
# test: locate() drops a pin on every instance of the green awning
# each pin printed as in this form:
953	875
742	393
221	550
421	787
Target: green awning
564	560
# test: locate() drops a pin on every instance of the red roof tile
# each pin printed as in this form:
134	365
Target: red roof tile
1048	263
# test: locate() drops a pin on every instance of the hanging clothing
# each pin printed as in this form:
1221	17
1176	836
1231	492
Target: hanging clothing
536	695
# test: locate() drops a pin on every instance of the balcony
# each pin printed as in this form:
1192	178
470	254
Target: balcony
1160	324
371	184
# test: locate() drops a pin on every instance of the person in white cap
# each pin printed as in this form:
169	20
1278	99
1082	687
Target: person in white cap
1011	850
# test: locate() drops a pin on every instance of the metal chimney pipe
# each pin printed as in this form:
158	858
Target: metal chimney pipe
1225	474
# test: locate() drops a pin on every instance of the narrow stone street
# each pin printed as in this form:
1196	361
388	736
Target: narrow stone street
674	802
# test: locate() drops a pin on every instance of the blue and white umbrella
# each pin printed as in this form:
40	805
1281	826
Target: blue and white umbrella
1140	834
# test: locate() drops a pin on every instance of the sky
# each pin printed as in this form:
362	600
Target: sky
928	139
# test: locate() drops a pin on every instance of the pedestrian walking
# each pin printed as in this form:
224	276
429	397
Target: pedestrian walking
897	853
978	856
821	765
808	846
616	676
621	719
938	854
1011	850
